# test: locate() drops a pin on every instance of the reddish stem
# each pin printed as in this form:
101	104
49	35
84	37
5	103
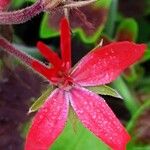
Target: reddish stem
23	15
5	45
28	60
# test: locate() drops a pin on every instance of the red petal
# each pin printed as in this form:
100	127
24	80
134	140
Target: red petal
43	70
49	54
103	65
65	42
48	122
96	115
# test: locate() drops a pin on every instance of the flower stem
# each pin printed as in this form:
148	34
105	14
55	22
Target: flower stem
23	15
5	45
123	89
110	25
139	112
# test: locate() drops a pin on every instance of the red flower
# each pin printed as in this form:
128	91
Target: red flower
100	66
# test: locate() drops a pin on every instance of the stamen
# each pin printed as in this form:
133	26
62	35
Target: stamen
49	54
65	42
23	15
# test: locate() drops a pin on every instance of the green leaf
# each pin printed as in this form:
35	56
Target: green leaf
133	74
135	147
105	90
32	51
73	118
112	15
132	122
47	31
82	139
39	102
147	54
18	3
127	30
1	65
130	101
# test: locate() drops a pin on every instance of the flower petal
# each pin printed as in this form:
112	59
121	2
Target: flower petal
65	42
96	115
48	122
103	65
49	54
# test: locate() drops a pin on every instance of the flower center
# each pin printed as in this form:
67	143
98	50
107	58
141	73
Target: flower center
63	79
65	82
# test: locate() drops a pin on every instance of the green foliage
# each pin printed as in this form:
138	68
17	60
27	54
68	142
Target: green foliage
104	90
18	3
131	125
46	31
82	139
39	102
128	29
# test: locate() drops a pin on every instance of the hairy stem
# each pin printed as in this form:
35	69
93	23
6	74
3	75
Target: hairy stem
79	4
5	45
23	15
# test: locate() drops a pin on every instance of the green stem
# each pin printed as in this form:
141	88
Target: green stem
123	89
131	124
110	25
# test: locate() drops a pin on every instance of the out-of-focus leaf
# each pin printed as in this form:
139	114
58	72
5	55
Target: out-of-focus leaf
110	24
104	90
134	8
130	74
137	114
18	86
139	126
147	54
88	21
39	102
133	74
144	30
135	147
82	139
7	32
147	10
32	51
127	31
18	3
1	65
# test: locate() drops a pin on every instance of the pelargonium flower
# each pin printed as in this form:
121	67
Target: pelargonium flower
98	67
